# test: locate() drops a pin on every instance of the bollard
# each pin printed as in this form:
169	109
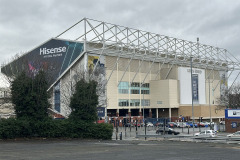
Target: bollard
145	125
121	136
125	132
188	129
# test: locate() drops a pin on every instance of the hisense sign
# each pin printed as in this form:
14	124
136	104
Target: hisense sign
46	51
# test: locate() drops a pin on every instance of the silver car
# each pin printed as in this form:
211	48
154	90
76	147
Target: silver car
206	133
236	134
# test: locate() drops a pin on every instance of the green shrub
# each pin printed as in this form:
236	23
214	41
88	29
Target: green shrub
49	128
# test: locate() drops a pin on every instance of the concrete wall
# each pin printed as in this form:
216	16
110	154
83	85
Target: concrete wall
164	94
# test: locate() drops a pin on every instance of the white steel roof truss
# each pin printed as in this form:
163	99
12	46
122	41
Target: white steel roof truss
150	68
139	67
170	50
127	67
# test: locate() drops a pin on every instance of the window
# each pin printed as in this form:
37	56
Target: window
123	91
159	102
145	91
123	88
146	85
145	88
135	102
135	91
123	102
135	88
145	102
135	84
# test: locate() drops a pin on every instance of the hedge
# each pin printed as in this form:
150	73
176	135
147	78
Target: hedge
49	128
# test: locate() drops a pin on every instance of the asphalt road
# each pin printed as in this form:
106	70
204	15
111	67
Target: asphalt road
115	150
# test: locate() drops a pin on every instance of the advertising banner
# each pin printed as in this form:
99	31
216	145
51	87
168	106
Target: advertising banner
54	57
198	91
98	64
195	87
96	67
101	112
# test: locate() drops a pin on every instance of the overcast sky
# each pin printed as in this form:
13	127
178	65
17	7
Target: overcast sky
24	24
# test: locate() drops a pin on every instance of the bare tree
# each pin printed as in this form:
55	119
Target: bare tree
6	107
230	98
68	87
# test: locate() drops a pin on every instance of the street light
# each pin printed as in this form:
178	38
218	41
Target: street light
192	94
210	112
144	122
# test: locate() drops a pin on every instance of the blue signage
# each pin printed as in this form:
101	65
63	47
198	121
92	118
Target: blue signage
234	124
195	87
232	113
101	112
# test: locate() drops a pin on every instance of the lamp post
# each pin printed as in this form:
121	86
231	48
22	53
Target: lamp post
210	112
192	95
144	122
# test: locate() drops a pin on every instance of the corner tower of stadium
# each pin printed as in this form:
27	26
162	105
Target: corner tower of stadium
138	72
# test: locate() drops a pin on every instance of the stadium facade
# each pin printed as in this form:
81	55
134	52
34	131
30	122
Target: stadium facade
138	72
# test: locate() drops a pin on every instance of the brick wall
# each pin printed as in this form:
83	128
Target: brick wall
228	125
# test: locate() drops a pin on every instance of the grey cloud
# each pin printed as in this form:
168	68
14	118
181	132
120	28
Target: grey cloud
26	24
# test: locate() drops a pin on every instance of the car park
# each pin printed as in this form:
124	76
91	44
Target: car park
206	133
166	131
236	134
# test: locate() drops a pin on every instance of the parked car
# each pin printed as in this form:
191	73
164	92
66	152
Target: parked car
190	124
181	124
172	124
201	124
167	131
206	133
149	124
236	134
138	124
159	124
206	124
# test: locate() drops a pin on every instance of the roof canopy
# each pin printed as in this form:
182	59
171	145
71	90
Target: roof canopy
154	47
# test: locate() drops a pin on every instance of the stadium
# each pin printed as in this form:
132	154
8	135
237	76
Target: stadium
140	74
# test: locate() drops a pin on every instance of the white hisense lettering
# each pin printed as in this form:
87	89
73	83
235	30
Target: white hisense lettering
46	51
